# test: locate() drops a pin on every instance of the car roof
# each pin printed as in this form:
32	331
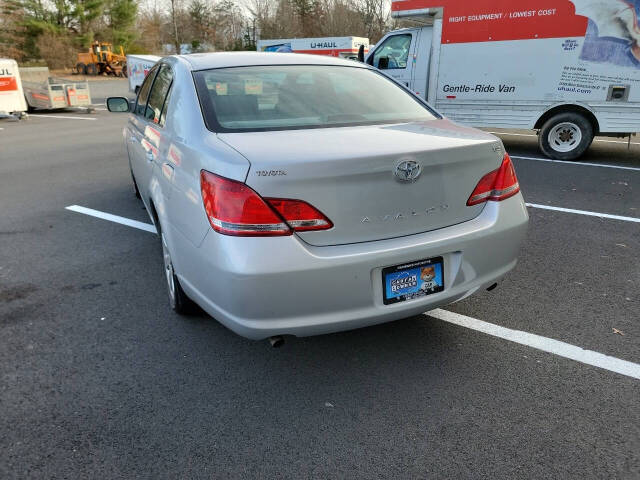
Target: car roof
204	61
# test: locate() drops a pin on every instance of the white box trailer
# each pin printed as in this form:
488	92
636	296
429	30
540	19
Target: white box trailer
138	66
567	68
12	101
344	47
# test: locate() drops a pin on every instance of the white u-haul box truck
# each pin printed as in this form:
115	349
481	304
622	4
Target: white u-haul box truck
12	101
138	66
567	68
344	47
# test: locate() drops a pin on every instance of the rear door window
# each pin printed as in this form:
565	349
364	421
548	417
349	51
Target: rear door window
143	95
158	94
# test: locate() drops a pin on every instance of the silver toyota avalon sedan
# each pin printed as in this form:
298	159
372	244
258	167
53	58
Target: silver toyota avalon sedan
298	194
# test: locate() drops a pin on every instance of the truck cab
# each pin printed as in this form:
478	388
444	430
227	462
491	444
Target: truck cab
404	56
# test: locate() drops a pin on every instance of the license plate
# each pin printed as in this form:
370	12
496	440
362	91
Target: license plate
412	280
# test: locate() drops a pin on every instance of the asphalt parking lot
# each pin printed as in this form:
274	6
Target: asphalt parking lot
99	379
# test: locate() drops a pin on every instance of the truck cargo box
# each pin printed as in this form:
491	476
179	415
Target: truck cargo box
11	93
138	67
345	47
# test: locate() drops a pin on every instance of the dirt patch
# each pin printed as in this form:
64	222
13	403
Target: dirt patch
83	78
18	314
16	292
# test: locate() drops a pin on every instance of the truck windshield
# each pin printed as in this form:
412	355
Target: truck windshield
282	97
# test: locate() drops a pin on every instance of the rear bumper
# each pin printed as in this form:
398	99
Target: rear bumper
259	287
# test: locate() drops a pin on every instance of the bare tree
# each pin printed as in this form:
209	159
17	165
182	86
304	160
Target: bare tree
174	22
152	33
200	22
11	31
375	15
304	18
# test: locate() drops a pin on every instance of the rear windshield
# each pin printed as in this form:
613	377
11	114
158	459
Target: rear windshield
283	97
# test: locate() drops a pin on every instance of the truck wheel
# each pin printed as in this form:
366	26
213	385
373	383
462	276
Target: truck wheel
81	68
92	69
124	70
565	136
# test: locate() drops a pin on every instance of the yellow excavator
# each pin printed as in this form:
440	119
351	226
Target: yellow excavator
100	59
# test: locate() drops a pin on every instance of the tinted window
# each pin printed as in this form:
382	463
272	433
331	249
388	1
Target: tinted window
395	49
141	102
158	94
302	96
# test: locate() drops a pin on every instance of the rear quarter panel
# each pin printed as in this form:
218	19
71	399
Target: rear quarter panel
190	148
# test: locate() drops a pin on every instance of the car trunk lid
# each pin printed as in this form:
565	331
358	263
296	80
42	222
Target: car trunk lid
356	175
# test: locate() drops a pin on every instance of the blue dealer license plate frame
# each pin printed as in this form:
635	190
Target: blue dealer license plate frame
412	280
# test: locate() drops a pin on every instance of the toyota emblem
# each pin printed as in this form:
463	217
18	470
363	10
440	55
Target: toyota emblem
408	171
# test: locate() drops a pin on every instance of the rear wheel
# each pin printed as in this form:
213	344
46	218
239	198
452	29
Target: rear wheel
92	69
566	136
178	300
81	68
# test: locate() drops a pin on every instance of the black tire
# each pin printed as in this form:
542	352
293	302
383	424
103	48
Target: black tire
125	74
566	136
135	186
92	69
178	300
81	68
30	109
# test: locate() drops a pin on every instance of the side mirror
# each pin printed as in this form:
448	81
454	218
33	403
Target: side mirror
361	54
383	63
118	104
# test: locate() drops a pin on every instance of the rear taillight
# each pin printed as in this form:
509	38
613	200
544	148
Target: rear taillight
300	215
497	185
233	208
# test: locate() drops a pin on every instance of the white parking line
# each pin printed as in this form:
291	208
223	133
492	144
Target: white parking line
147	227
584	212
534	135
538	342
575	164
61	116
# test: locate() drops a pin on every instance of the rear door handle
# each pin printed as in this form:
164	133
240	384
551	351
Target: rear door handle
167	171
